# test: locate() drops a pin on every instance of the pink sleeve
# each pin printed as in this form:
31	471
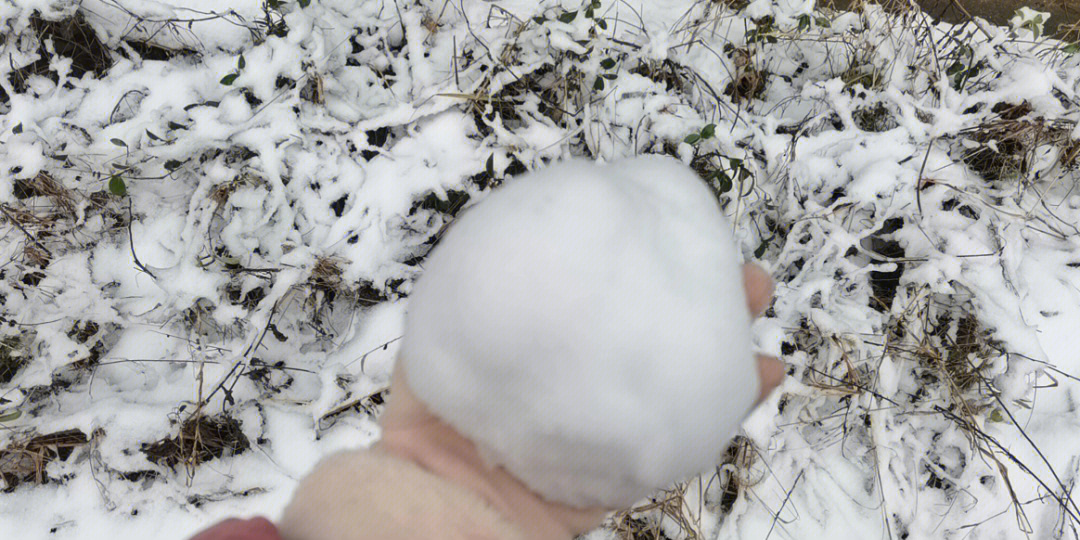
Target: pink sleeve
258	528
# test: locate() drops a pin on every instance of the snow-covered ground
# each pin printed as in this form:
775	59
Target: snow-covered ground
212	216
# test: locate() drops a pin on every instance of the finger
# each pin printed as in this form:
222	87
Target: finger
770	374
759	288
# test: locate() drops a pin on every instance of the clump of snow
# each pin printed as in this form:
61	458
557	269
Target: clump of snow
586	325
288	167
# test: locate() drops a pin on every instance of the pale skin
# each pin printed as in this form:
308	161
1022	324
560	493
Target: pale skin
411	432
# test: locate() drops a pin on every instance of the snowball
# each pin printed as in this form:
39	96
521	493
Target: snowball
587	327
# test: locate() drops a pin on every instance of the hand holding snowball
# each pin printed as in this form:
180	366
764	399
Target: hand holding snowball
578	340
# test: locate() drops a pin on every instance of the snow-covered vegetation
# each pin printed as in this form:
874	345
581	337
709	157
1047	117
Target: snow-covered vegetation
212	214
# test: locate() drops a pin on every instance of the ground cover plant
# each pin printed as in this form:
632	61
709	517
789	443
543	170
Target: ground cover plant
212	216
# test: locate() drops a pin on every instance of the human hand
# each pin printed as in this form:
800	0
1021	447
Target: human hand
258	528
759	290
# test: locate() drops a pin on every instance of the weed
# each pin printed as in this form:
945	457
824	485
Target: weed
26	460
201	438
13	357
326	275
875	118
1002	148
71	38
748	82
866	75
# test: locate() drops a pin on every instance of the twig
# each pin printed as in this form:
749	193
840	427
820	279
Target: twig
919	178
131	243
787	497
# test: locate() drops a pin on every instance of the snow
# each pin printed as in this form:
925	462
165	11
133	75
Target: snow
550	312
350	141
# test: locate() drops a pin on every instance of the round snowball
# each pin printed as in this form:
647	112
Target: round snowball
586	326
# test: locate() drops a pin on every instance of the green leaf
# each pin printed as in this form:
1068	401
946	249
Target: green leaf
761	249
607	63
725	182
303	3
735	163
708	131
589	12
539	20
116	186
1072	48
174	125
601	23
692	138
17	129
241	63
173	164
118	142
490	166
598	84
9	416
152	136
228	79
804	22
569	16
996	416
955	68
610	76
823	22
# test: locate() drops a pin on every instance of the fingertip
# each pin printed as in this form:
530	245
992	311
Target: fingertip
771	373
759	288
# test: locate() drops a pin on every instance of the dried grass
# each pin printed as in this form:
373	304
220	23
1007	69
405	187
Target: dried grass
201	439
1003	148
26	460
71	38
13	357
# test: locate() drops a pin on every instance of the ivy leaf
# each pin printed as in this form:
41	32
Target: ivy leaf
152	136
607	63
804	22
610	76
9	416
173	164
761	249
116	186
228	79
174	125
692	138
569	16
598	84
241	63
17	129
996	416
118	142
1071	48
725	182
601	23
708	131
490	166
823	22
539	20
303	3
